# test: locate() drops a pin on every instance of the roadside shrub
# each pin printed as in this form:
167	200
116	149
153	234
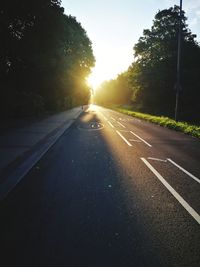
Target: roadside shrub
184	127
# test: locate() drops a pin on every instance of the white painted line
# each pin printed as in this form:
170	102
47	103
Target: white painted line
103	116
124	131
183	170
110	124
189	209
135	140
162	160
121	124
113	119
126	141
141	139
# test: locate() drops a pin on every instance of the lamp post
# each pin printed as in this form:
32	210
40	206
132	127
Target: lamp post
178	83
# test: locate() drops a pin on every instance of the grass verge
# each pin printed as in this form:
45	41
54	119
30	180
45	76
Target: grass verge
184	127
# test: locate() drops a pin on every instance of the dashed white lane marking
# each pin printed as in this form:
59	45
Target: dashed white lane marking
126	131
121	124
135	140
162	160
141	139
110	124
103	116
113	118
126	141
183	170
189	209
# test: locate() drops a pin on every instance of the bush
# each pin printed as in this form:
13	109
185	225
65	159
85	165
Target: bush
184	127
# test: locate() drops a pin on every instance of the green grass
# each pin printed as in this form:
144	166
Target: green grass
184	127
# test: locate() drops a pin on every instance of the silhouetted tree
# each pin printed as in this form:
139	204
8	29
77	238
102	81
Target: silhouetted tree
116	91
45	57
153	74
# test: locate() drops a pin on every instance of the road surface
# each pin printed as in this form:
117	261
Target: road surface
112	191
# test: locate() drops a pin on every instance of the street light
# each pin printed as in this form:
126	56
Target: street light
178	83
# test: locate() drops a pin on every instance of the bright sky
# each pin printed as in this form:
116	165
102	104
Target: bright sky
114	26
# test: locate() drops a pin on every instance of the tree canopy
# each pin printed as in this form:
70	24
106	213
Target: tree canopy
152	76
153	73
116	91
45	57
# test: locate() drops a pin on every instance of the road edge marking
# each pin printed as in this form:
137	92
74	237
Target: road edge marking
187	207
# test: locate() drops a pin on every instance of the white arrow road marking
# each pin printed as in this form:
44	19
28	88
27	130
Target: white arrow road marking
189	209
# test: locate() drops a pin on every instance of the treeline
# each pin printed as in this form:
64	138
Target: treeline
45	58
117	91
151	78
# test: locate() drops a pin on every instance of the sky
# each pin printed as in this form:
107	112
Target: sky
114	26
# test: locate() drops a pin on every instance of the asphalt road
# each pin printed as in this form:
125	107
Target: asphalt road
113	191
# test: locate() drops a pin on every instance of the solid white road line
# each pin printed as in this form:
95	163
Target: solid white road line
135	140
141	139
126	131
126	141
113	119
189	209
162	160
183	170
103	116
121	124
110	124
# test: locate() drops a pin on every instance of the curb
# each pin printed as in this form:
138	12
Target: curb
29	159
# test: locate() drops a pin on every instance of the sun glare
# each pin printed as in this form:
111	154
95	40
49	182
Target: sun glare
109	63
94	80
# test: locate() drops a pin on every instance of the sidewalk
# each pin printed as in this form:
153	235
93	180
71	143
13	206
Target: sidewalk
18	142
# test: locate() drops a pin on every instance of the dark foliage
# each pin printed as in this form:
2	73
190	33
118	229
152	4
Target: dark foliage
116	91
150	81
45	57
153	74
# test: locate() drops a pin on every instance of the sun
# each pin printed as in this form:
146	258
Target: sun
109	63
95	79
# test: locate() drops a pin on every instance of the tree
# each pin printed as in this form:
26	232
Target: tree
116	91
153	74
45	56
